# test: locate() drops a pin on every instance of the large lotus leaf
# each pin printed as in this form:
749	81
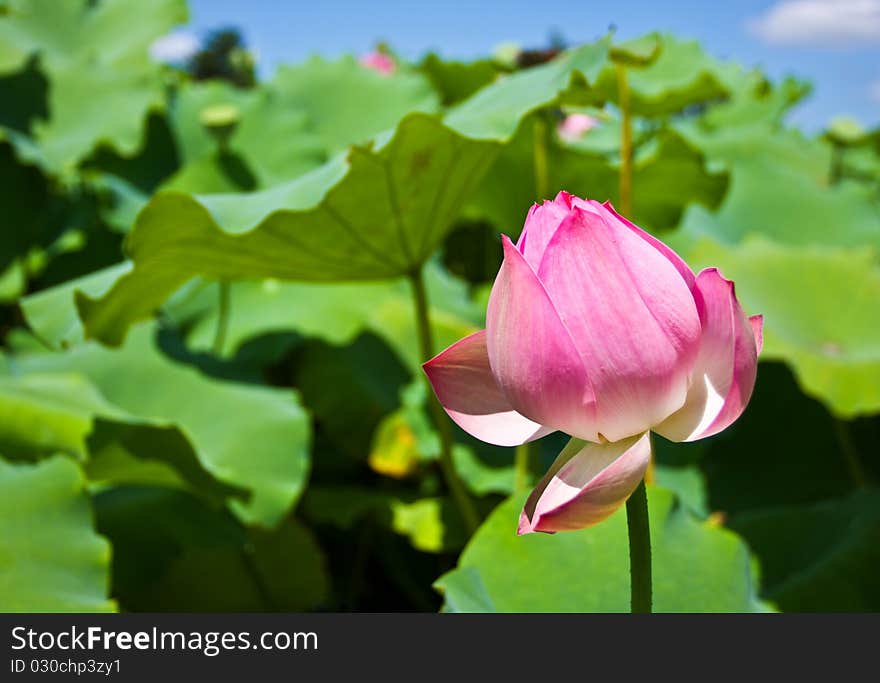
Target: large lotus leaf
756	101
668	175
95	56
347	103
372	378
94	106
173	553
779	188
813	531
51	559
784	450
51	313
697	567
821	557
124	183
112	31
379	213
681	75
641	52
337	313
495	112
43	414
223	172
272	134
375	216
456	81
247	436
820	314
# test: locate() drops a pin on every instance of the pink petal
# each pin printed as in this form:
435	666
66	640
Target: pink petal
757	323
683	268
585	486
463	382
724	375
541	223
631	315
532	354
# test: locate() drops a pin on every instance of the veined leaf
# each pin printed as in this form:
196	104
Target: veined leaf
379	213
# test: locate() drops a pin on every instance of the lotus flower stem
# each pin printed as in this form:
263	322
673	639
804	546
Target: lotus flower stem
542	181
426	344
521	466
626	144
639	550
222	318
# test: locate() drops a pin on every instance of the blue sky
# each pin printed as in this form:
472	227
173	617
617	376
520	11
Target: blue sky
834	43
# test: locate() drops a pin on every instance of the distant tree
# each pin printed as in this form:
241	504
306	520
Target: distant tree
224	56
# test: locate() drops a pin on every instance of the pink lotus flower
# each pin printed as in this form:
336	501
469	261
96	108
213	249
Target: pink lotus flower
379	61
597	329
573	126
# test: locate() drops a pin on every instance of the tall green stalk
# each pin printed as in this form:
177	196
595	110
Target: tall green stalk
639	550
222	317
426	343
626	140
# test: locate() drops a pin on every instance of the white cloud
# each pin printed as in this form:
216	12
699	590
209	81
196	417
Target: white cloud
875	91
819	22
174	47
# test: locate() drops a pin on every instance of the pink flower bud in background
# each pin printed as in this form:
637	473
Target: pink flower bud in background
597	329
573	126
379	61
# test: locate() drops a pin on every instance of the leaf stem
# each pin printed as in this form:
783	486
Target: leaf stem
222	317
850	454
626	143
426	343
639	550
521	466
542	180
835	172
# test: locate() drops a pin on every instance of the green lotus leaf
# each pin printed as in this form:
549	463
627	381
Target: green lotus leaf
669	174
377	213
456	81
95	56
780	188
346	103
173	553
249	437
272	136
51	559
819	557
683	74
820	314
638	52
697	567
